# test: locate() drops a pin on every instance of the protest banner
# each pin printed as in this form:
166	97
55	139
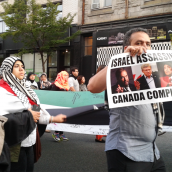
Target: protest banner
141	79
85	111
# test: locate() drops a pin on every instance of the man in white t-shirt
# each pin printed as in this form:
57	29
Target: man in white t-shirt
73	82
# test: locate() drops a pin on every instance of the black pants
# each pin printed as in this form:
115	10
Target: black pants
25	162
118	162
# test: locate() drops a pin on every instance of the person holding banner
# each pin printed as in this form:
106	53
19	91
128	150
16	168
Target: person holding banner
21	106
30	81
99	137
43	82
60	84
73	82
130	143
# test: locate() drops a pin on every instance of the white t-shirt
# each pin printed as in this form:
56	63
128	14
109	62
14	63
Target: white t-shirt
73	83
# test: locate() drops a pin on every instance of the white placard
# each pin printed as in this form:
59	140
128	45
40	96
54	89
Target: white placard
124	71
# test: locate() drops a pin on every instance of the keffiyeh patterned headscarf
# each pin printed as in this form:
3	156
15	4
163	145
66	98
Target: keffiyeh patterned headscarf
18	86
61	81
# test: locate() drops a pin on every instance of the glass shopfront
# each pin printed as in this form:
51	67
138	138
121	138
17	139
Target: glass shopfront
54	63
52	66
57	62
1	59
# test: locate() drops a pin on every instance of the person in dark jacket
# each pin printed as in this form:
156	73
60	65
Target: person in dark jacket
149	79
30	81
99	137
43	82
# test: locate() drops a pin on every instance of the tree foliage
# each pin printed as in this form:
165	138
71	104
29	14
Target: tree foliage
36	27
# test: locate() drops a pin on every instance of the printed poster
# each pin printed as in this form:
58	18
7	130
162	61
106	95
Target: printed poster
141	79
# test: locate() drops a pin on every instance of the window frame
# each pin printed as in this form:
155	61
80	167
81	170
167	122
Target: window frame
102	4
107	5
88	46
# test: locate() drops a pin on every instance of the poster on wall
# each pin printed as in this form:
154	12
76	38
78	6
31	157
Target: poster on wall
170	34
157	32
141	79
116	36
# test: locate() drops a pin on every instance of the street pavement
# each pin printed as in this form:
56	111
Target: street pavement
82	154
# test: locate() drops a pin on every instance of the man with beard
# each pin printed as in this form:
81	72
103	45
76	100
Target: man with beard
123	84
130	144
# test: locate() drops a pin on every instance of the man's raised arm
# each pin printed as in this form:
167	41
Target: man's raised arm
97	83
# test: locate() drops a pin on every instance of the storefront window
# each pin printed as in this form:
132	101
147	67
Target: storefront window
52	60
108	3
67	69
1	26
38	64
88	45
28	61
59	8
1	59
67	58
52	74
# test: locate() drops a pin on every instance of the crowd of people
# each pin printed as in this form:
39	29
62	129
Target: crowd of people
63	82
130	144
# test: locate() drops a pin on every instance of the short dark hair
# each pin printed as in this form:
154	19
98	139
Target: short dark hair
73	69
127	41
79	78
118	73
100	68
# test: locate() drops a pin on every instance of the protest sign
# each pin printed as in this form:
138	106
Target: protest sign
84	110
141	79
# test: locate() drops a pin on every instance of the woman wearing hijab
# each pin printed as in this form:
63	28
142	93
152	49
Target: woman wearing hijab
44	83
17	106
60	84
30	81
166	74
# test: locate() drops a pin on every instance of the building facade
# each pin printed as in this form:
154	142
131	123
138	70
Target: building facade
105	22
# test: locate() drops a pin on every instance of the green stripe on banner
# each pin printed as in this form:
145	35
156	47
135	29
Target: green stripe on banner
69	99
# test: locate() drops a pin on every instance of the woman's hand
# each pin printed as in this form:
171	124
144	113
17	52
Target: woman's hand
35	115
59	118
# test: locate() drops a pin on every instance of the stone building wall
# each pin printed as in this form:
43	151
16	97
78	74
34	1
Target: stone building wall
137	9
71	6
